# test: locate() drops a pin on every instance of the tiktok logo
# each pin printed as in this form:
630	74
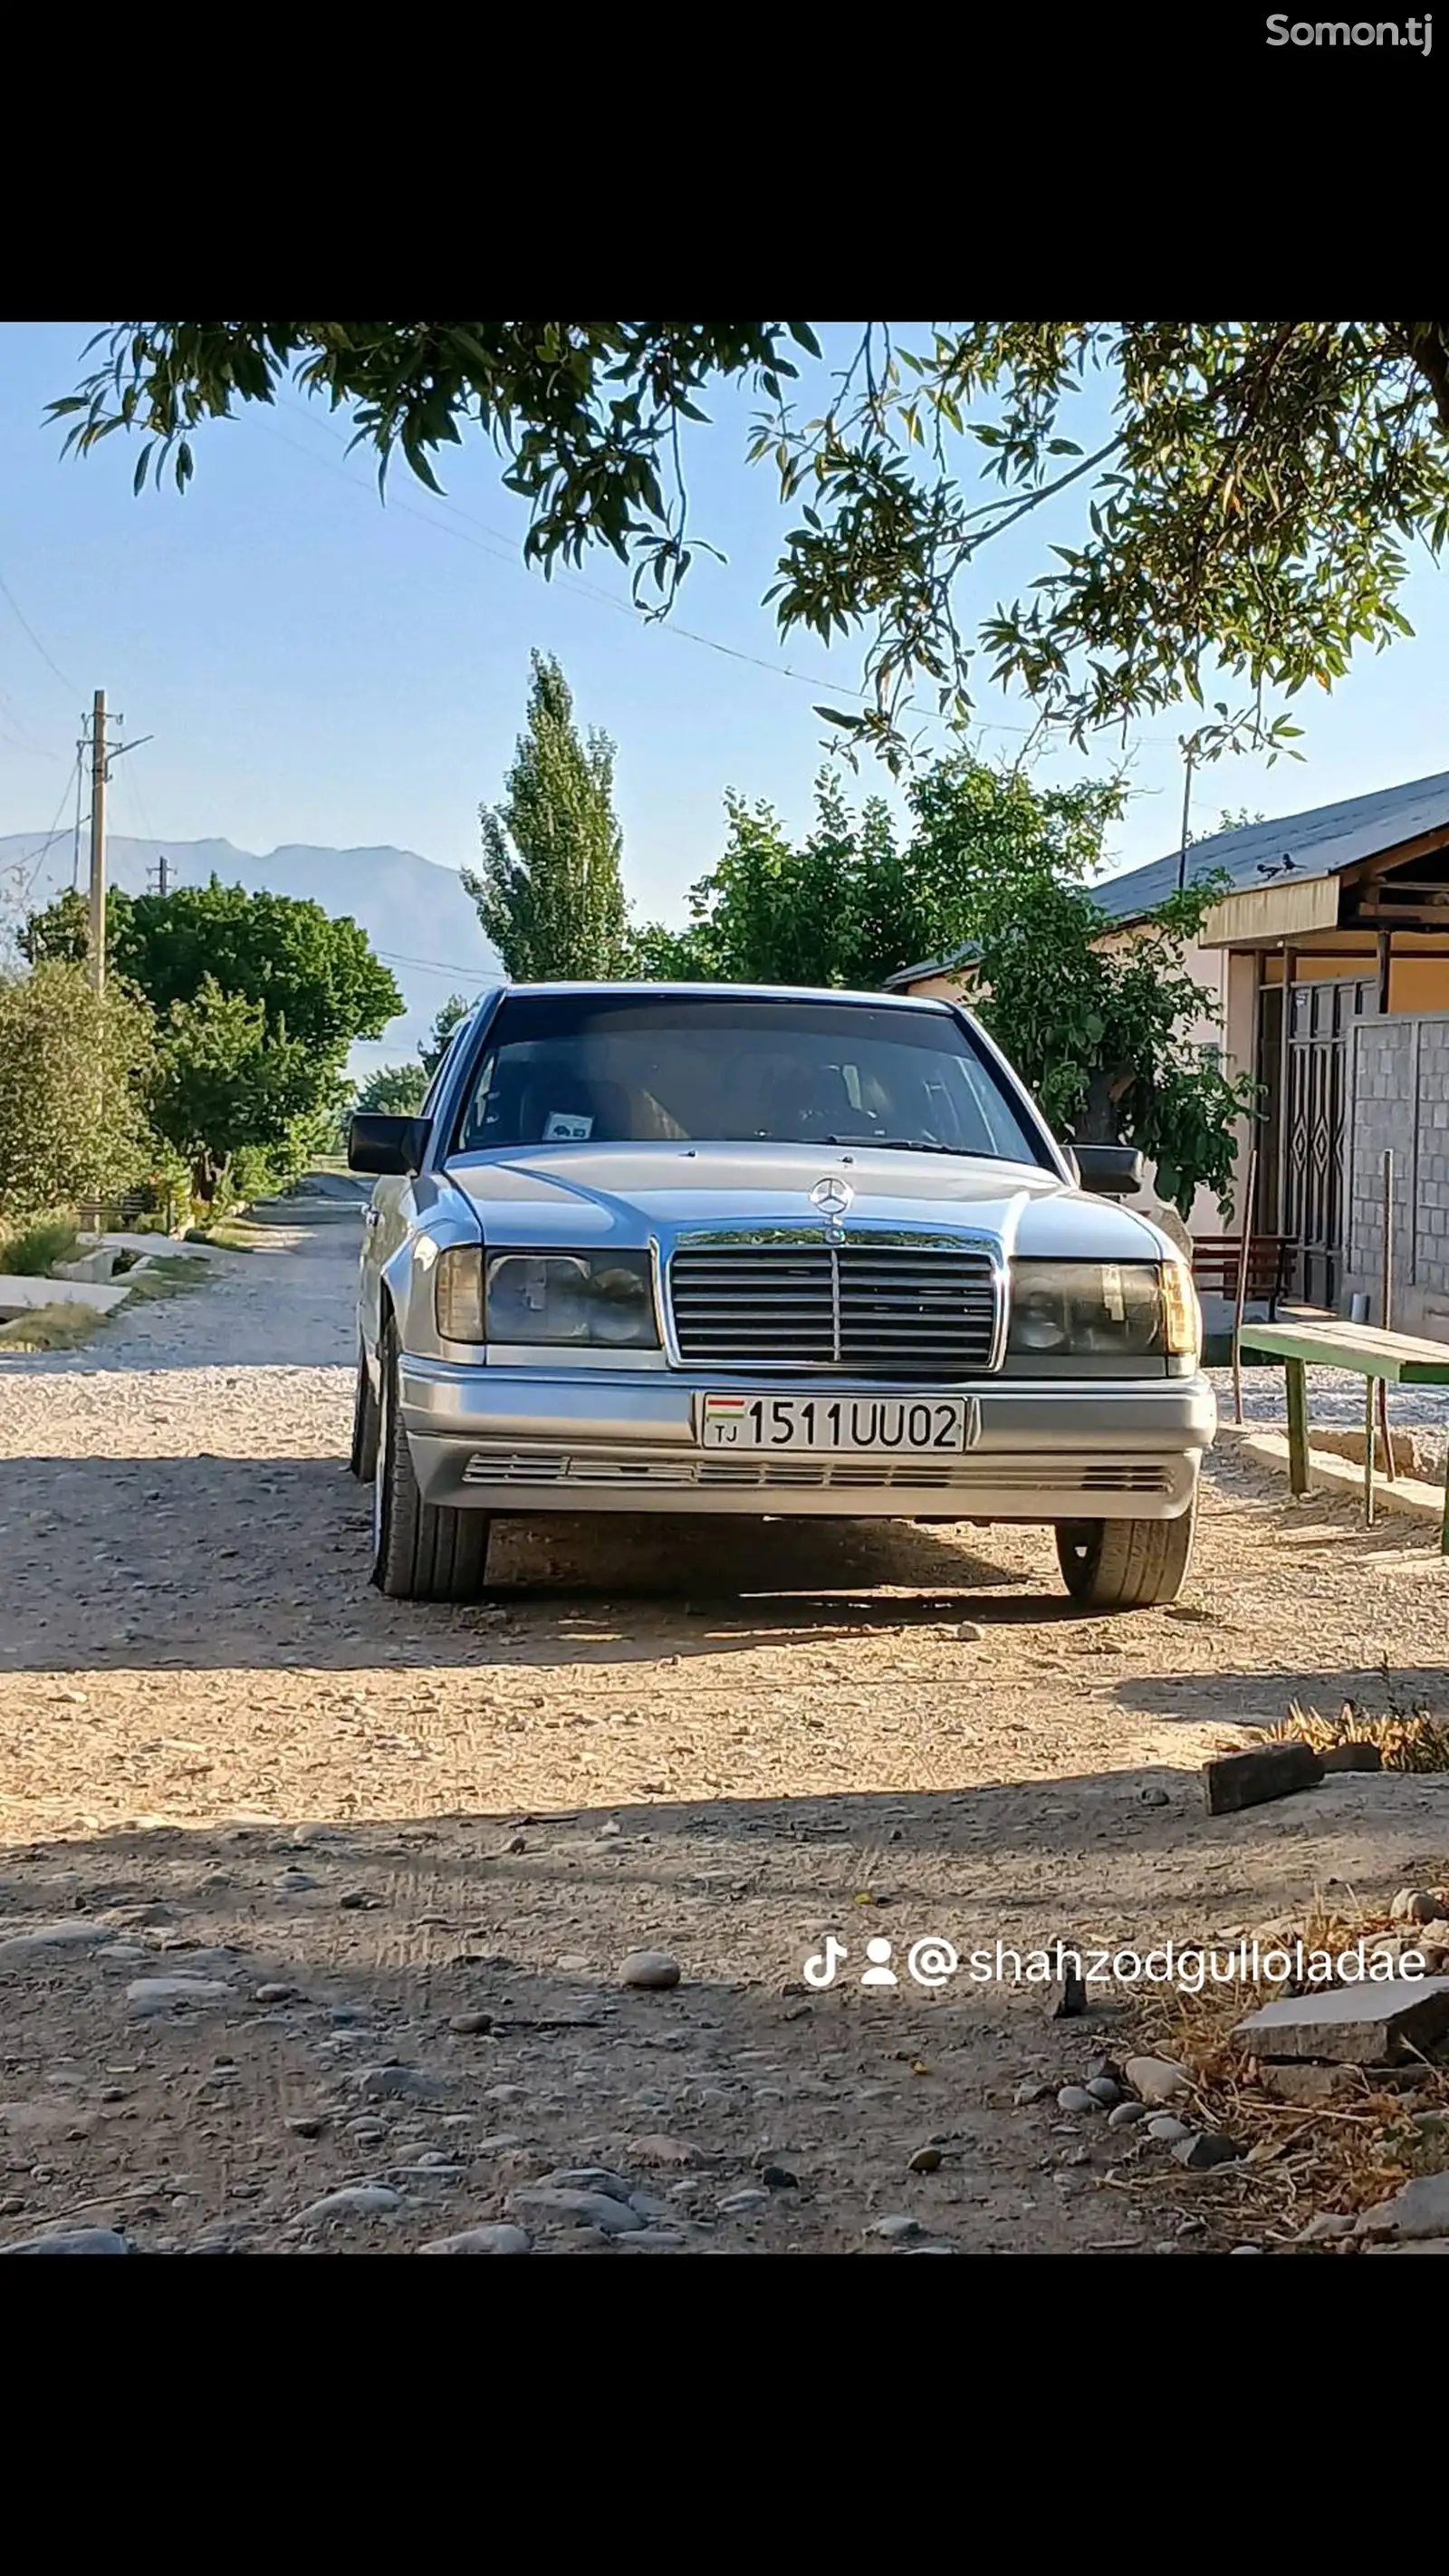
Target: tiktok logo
820	1968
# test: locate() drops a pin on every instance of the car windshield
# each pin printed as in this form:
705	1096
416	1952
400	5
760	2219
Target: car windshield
626	1067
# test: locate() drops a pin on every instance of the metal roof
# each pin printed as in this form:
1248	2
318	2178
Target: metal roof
1317	844
907	975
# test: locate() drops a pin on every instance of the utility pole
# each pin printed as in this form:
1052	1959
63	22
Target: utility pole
98	842
1186	810
163	874
102	756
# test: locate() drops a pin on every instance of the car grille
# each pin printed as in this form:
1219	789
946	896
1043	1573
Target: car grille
1022	1477
886	1308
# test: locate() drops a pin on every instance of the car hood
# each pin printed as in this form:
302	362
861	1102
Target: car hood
616	1195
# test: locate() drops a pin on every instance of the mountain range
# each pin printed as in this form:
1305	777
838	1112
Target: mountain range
415	912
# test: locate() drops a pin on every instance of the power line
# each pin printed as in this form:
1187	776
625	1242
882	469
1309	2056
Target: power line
21	739
35	639
79	791
147	827
430	965
504	550
53	835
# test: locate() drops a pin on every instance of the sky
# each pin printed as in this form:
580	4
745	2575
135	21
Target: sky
313	666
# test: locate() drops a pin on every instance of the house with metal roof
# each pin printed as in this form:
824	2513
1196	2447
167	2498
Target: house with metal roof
1326	963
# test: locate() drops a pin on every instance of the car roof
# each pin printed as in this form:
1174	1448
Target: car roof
735	993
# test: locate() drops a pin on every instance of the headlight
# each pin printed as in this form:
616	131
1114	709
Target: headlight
458	1294
1108	1309
1181	1313
598	1299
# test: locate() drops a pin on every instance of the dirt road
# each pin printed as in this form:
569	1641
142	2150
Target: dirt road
404	1851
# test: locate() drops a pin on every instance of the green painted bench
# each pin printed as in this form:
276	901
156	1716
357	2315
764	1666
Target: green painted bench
1370	1353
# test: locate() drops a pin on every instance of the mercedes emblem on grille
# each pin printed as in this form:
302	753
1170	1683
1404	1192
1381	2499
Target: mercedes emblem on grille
832	1197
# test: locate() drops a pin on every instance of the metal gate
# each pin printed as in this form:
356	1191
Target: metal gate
1322	1017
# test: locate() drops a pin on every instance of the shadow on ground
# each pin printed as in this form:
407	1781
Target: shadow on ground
1262	1698
434	2008
109	1562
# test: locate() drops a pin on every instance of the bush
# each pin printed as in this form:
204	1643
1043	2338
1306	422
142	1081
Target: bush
33	1252
257	1173
73	1070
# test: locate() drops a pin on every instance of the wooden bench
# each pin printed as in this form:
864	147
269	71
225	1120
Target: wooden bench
1398	1358
1215	1260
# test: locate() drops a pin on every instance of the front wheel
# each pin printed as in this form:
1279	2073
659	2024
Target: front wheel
1126	1565
420	1551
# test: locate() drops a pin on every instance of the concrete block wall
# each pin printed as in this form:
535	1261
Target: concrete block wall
1399	1103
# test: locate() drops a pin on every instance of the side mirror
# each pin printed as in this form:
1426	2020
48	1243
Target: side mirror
376	1144
1113	1171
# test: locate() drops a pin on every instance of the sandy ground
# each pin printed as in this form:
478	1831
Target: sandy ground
385	1836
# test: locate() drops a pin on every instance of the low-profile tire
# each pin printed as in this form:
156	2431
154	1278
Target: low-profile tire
363	1461
420	1551
1126	1565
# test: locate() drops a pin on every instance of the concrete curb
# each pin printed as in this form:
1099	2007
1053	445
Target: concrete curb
25	1296
1408	1496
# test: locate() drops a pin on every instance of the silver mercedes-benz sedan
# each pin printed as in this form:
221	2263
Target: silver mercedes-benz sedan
706	1248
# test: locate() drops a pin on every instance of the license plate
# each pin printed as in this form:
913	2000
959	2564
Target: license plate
884	1423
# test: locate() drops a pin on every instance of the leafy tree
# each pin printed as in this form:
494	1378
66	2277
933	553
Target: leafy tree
1093	1018
833	911
74	1067
853	903
313	975
440	1035
549	894
225	1084
257	998
63	930
394	1091
316	978
1227	504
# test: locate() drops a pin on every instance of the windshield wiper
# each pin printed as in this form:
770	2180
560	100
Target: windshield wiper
901	1144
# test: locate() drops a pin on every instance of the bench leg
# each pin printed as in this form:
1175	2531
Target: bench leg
1297	1426
1368	1453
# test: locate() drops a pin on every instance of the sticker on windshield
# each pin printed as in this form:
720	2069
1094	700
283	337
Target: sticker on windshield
565	1127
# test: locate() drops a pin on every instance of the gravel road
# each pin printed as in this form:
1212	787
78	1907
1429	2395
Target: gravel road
402	1852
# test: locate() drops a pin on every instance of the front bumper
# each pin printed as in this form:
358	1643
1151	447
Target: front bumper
590	1440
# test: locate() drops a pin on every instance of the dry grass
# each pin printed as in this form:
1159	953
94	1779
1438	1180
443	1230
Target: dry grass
52	1328
1347	2154
1344	2155
1412	1739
